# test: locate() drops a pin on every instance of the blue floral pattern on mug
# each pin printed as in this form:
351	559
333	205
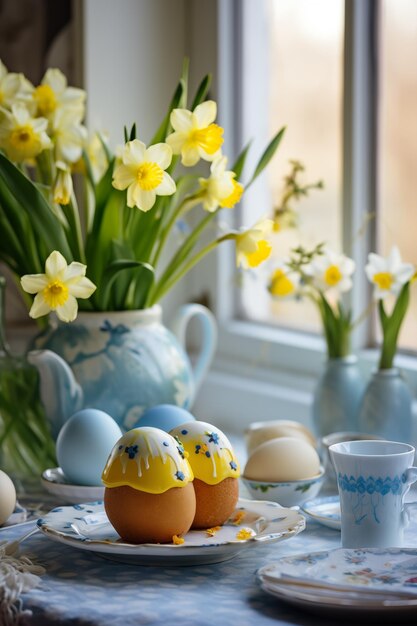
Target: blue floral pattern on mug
371	485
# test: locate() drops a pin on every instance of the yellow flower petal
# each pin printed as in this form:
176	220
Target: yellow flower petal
205	113
262	253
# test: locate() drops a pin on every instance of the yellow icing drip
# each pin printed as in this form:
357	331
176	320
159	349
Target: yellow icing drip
147	459
209	452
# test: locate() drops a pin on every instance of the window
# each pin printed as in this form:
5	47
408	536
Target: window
345	58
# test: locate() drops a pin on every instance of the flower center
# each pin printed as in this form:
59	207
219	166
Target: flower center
208	139
332	275
281	285
261	254
384	280
149	175
23	143
234	197
45	99
55	294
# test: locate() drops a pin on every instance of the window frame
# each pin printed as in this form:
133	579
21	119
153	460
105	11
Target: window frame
258	365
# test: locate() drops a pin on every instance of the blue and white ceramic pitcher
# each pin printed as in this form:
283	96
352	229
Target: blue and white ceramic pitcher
121	362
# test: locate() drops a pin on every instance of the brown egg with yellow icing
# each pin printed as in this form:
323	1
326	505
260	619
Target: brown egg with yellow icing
149	495
216	470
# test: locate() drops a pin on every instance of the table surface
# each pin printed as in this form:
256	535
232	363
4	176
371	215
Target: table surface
81	588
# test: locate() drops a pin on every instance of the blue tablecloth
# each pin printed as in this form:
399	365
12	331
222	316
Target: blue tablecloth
82	588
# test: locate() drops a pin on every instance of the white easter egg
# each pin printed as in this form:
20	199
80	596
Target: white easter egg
259	432
84	444
7	497
283	459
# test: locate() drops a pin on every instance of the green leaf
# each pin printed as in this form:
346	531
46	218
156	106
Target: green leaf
239	164
202	91
44	224
111	272
125	134
133	132
267	155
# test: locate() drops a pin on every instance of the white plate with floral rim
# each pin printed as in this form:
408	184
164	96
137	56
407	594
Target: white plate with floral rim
367	579
325	510
86	526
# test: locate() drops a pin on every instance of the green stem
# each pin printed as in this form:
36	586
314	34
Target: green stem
163	288
181	209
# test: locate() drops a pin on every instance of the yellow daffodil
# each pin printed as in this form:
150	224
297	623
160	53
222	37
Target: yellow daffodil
332	271
220	188
68	134
195	136
389	274
253	246
21	136
284	282
58	288
63	186
12	87
53	93
142	174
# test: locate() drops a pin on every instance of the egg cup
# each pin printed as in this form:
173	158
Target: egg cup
288	493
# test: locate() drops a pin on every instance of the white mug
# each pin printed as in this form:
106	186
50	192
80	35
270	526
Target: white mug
373	478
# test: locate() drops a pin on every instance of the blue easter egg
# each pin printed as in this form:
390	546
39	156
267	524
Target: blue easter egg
84	444
164	416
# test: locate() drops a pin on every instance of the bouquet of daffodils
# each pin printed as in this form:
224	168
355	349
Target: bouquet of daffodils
323	276
390	278
107	249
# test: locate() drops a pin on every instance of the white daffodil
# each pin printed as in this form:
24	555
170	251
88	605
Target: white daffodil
331	271
389	274
252	245
58	288
284	282
21	136
220	188
63	186
142	173
69	134
12	87
97	155
53	94
195	136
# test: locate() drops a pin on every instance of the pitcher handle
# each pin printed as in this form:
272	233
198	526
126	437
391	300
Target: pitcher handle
209	336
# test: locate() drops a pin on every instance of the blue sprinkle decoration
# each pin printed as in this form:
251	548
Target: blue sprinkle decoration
233	465
184	432
165	443
120	447
132	451
213	437
207	453
179	475
197	448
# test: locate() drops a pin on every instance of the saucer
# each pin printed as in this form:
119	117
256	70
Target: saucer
253	523
56	483
325	510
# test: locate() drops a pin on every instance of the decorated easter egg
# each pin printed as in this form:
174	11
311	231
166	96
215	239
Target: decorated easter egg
149	495
283	459
7	497
164	416
216	470
83	445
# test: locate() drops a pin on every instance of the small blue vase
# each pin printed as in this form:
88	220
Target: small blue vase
386	406
337	396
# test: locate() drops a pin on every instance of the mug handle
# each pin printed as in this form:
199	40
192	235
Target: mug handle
410	477
209	337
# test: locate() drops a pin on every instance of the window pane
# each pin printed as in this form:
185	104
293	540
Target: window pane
304	93
397	218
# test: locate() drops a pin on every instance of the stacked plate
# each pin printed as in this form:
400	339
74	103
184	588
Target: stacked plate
371	580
